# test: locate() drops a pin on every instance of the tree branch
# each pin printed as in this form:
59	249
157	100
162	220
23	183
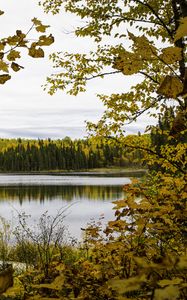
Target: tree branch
140	112
162	23
175	164
21	40
101	75
183	5
132	19
149	76
179	43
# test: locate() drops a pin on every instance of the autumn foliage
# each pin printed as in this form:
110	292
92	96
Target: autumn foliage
11	48
141	254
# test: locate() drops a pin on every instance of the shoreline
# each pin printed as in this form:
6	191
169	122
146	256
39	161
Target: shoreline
98	171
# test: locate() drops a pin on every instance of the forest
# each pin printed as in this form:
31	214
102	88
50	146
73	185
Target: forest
142	252
46	155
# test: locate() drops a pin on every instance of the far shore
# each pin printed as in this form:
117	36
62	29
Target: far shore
98	171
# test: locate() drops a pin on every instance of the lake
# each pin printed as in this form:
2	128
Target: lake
86	196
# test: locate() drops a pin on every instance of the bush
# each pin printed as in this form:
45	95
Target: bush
38	245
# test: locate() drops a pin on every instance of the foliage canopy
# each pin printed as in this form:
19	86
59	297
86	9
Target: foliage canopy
156	54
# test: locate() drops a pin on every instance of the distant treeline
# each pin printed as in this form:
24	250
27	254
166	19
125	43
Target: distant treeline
66	154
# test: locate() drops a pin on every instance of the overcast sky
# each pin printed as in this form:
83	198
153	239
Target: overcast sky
25	109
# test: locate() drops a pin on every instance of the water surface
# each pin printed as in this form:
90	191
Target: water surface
88	197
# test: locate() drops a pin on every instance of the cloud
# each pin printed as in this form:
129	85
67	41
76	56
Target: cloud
44	132
57	132
55	123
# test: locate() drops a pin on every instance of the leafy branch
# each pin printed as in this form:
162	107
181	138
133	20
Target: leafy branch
162	23
151	151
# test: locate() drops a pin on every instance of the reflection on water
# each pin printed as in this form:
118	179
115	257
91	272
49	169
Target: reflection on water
67	193
87	197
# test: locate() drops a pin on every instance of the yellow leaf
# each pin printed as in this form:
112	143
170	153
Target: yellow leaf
13	55
46	40
182	264
141	262
171	54
128	63
55	285
2	46
39	26
174	281
36	53
132	67
36	21
1	55
170	87
58	282
182	29
119	204
20	34
15	67
3	66
169	293
13	40
4	78
118	224
143	46
39	297
60	267
42	28
127	285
